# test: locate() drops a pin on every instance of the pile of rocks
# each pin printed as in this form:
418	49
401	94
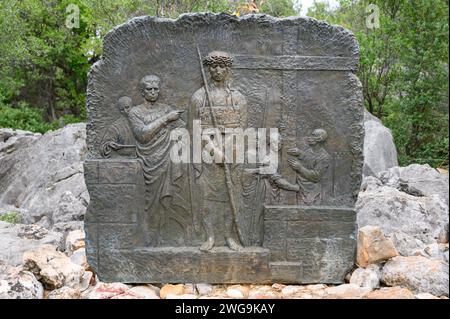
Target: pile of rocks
403	230
380	264
46	272
402	237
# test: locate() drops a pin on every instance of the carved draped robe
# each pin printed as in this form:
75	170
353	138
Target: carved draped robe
316	163
230	109
164	196
118	132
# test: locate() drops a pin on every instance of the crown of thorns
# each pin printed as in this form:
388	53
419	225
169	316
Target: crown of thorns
218	58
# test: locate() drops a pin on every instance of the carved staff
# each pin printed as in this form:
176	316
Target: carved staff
263	126
195	205
258	176
228	181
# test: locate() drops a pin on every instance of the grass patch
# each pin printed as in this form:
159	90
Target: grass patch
12	218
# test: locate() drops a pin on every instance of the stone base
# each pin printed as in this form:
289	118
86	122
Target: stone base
185	265
310	244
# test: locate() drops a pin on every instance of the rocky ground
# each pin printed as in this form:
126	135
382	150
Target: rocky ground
402	237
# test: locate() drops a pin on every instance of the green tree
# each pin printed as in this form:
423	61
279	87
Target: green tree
44	63
278	8
403	69
424	77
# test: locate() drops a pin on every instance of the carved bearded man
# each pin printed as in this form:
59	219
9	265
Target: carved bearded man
151	123
230	109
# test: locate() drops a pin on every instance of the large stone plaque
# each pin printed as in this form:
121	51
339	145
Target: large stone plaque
153	219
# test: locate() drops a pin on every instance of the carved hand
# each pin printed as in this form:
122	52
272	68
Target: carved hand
275	177
174	115
282	183
294	151
114	145
295	164
254	172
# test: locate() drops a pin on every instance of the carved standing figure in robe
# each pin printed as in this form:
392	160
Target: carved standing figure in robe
151	123
230	109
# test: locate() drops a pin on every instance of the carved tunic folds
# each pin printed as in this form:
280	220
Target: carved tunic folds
160	174
230	109
119	133
310	181
153	151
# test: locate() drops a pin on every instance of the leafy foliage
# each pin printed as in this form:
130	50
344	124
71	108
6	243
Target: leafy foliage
403	70
12	218
24	118
42	62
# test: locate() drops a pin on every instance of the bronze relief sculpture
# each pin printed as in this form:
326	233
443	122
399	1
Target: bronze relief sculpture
213	218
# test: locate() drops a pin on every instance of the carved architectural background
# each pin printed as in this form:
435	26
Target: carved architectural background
296	74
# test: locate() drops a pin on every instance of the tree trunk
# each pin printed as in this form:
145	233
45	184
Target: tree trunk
379	110
51	103
51	99
413	142
369	104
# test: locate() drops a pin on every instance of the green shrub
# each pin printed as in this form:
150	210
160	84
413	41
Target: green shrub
24	118
12	218
30	119
68	119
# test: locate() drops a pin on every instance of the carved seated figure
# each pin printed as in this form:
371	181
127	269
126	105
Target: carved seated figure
118	138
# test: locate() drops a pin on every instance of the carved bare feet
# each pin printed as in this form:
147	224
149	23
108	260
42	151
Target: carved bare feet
208	244
233	245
